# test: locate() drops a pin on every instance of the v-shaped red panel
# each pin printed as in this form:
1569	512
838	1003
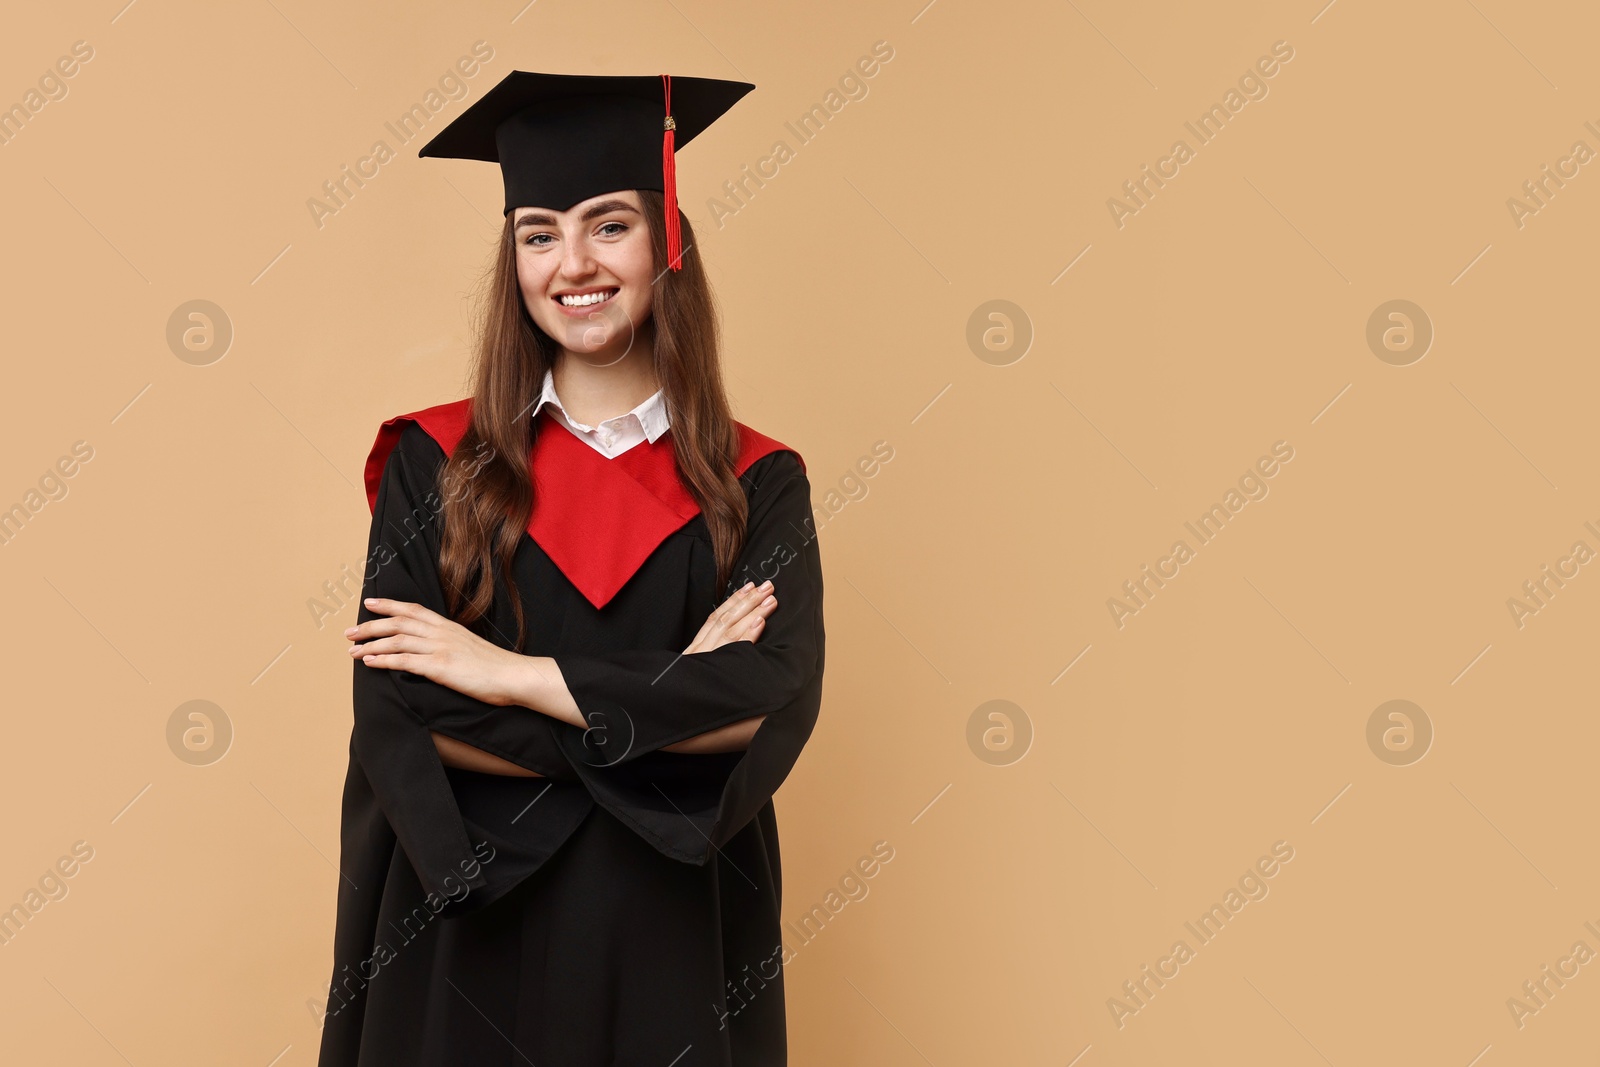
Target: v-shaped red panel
597	519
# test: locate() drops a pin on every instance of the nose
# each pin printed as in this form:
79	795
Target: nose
577	260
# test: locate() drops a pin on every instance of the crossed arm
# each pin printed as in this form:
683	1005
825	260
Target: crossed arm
410	637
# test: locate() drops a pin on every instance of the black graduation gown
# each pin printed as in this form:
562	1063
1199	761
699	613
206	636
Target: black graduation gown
623	909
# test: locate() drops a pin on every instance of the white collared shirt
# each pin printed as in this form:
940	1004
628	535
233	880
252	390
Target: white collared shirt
614	436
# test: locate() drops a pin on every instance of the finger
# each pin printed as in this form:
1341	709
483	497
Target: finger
401	608
396	662
761	609
723	624
385	606
382	627
741	603
426	614
398	643
724	609
749	592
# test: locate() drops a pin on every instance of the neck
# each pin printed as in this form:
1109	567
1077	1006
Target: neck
594	390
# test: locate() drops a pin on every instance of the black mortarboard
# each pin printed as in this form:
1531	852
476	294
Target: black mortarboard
563	138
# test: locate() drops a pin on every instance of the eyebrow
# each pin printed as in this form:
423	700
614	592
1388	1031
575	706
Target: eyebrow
538	218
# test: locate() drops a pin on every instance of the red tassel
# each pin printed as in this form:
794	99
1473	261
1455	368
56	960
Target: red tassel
669	180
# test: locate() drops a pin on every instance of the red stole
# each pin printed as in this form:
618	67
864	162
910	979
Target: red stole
597	519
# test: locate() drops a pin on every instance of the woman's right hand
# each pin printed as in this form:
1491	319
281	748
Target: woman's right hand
739	618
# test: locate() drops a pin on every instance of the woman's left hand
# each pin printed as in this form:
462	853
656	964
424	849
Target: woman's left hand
419	640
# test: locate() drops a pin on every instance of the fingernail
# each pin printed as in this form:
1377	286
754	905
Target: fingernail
371	600
350	631
767	584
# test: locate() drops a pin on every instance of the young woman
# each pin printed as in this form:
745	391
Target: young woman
590	646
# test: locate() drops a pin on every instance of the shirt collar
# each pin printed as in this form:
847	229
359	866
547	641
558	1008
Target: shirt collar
651	413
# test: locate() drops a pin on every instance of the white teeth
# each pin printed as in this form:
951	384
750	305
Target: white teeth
588	298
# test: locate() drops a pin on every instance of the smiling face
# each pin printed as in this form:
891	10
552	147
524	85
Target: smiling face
586	274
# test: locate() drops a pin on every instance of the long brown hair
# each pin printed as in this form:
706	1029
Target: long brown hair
486	483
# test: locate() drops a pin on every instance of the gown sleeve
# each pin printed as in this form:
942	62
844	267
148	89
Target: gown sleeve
395	710
638	701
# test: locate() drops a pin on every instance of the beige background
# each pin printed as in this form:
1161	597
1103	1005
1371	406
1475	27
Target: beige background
1227	314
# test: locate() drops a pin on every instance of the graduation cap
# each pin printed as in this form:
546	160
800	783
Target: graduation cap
563	138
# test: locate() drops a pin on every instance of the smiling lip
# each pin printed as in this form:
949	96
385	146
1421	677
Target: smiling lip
582	309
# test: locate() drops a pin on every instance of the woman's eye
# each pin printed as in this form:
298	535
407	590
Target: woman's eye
542	239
